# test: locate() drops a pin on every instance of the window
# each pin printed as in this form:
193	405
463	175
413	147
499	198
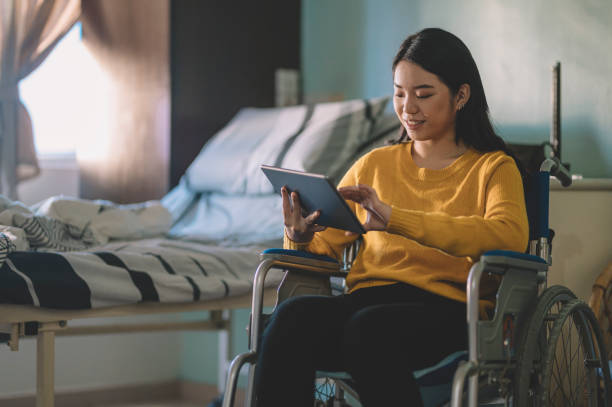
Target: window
64	97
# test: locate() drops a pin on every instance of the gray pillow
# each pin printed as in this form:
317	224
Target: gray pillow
319	138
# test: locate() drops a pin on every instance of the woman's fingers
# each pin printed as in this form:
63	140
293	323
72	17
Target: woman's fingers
367	188
358	193
353	193
311	219
295	202
289	217
286	203
378	212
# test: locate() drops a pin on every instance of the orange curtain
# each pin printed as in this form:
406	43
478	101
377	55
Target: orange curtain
129	41
29	30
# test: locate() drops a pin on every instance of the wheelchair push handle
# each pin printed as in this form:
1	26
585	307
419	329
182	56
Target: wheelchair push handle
554	166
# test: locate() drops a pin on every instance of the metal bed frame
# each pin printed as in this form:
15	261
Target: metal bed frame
47	324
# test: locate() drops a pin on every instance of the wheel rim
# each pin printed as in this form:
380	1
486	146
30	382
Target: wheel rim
534	341
572	382
572	374
548	324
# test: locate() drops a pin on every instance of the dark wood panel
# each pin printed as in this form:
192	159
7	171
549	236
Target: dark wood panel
223	57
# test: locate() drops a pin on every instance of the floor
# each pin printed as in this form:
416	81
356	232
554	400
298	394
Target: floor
177	403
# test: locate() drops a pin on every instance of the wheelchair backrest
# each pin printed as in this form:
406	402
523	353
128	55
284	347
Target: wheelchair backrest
536	198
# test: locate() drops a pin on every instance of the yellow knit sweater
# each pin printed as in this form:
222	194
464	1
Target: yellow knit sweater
441	220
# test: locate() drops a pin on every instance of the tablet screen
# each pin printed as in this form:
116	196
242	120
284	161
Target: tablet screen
317	192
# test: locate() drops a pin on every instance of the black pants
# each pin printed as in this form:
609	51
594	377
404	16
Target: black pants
380	335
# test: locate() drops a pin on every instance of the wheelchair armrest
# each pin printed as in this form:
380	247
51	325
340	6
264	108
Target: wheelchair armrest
500	261
293	260
303	261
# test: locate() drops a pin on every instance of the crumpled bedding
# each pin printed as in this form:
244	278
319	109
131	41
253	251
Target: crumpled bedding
69	224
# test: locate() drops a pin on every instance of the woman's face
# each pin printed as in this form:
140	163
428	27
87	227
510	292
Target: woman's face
423	103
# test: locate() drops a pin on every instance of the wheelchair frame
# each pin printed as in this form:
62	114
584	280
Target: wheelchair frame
492	348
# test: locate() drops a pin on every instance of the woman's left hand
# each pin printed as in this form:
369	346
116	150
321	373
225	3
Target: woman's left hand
366	196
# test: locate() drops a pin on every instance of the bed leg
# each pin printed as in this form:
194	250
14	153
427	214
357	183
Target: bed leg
224	351
45	364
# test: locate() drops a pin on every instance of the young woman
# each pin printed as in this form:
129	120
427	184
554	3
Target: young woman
432	203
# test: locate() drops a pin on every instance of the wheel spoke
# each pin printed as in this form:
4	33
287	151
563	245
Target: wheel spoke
559	387
573	356
539	371
567	370
578	393
556	377
590	351
559	381
575	328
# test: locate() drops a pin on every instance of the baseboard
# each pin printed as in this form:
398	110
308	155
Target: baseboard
104	396
202	393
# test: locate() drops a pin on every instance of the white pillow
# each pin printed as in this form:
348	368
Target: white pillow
318	138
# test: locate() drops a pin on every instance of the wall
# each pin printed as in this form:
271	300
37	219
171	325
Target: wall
95	362
581	246
348	46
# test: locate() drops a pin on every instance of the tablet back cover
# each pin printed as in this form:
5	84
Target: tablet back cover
316	192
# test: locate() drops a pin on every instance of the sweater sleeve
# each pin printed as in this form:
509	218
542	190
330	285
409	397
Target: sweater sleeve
504	225
330	242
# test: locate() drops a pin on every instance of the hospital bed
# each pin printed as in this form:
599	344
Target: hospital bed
222	215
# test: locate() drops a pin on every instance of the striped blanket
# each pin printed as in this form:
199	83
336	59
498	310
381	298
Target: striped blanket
127	272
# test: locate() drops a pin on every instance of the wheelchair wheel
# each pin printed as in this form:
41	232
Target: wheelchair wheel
533	340
575	369
330	393
324	391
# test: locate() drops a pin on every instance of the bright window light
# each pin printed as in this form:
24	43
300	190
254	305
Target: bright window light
61	96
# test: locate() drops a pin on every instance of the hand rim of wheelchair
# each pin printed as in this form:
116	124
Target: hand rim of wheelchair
533	339
576	314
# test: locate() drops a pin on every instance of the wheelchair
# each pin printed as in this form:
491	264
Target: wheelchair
541	347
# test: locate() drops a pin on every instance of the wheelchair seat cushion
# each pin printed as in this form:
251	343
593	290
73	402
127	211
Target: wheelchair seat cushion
516	255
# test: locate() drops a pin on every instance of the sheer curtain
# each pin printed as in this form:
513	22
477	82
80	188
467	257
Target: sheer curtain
126	154
29	29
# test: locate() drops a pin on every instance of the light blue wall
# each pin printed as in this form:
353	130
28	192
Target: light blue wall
348	46
200	349
347	50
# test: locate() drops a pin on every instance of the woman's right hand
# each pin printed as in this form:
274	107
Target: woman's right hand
298	228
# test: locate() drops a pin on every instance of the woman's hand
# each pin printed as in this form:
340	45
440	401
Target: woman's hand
366	196
298	228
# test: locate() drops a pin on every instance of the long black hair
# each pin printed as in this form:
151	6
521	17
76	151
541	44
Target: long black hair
446	56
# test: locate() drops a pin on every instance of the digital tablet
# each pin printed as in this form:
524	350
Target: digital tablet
317	192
